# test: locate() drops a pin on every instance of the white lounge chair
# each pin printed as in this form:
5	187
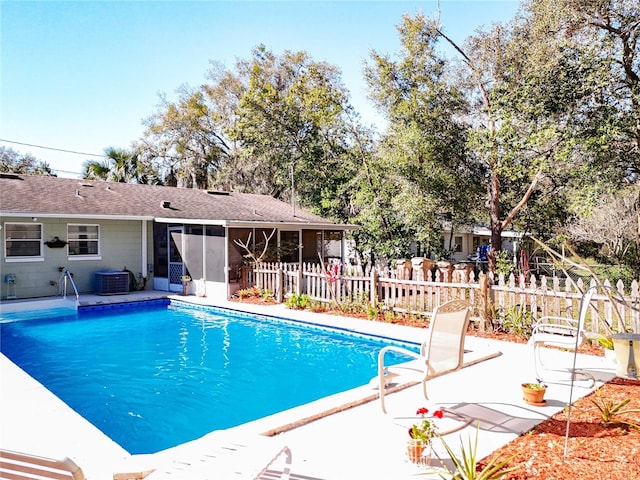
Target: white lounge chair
442	352
256	460
23	466
225	456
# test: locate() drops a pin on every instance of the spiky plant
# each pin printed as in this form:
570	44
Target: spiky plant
466	464
610	412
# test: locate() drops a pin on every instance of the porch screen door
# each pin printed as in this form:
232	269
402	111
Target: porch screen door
176	265
289	246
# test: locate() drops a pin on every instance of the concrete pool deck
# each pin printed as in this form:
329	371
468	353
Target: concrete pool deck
349	443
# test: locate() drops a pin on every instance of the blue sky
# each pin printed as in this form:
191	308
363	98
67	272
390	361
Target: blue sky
82	75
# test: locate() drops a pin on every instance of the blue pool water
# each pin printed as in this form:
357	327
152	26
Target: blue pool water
154	376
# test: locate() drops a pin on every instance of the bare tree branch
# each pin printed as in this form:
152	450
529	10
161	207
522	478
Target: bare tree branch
246	246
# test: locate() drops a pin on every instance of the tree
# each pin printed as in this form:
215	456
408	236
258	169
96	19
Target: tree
185	138
531	110
536	120
288	129
611	28
612	224
382	234
512	80
96	170
12	161
429	173
120	165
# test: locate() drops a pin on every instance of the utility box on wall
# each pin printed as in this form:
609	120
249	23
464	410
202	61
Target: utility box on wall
10	280
111	282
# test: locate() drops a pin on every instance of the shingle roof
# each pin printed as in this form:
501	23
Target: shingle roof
42	195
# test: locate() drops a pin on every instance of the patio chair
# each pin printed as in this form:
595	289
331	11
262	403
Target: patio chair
23	466
440	354
558	332
562	333
223	455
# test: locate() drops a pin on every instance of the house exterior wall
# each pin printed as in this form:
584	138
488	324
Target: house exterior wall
469	243
120	244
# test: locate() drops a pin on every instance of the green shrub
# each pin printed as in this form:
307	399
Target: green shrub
517	320
372	311
504	262
248	292
298	302
613	273
354	304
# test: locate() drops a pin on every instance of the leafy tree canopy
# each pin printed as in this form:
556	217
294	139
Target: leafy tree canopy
15	162
120	165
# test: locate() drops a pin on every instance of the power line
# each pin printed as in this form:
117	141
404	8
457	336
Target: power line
53	148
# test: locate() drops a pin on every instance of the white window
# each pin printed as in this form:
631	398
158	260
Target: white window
84	240
457	244
23	241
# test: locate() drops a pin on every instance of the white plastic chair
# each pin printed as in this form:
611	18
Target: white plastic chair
440	354
564	333
558	332
16	465
222	454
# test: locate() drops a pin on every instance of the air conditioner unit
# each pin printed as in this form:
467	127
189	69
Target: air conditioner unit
111	282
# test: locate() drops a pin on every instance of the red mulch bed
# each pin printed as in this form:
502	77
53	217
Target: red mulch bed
595	450
414	321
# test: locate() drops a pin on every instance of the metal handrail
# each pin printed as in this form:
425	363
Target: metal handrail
66	276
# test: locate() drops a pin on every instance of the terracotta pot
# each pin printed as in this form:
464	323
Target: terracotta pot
415	451
533	396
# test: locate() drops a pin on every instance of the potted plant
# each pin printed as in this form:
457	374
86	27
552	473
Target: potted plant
420	436
185	283
534	393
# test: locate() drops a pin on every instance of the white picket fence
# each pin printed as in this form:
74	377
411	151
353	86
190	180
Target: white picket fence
491	298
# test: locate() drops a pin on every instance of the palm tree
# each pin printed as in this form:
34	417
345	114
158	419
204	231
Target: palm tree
95	170
122	166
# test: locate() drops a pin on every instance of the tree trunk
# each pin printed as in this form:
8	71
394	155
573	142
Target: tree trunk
496	223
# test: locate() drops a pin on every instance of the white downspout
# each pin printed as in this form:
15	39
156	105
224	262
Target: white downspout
143	267
227	239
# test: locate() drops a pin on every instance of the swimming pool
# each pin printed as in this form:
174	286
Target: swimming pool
154	375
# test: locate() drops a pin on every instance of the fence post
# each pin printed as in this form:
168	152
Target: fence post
299	282
258	275
279	285
373	293
484	300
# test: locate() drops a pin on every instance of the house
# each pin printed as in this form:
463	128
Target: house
156	234
466	240
471	244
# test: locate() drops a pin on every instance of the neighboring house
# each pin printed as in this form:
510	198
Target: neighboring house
466	240
158	233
